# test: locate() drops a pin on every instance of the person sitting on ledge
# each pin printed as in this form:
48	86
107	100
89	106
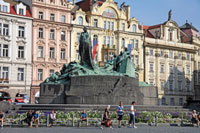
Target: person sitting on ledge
52	118
194	118
83	118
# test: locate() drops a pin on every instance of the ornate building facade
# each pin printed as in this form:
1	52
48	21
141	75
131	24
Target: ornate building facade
170	62
111	30
51	39
15	47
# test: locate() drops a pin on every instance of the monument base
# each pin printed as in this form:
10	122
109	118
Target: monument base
97	90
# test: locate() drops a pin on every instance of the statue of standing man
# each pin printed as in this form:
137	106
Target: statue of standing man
85	49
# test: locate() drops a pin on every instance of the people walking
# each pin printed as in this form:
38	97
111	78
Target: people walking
120	113
83	118
52	118
29	118
106	118
194	118
132	115
1	118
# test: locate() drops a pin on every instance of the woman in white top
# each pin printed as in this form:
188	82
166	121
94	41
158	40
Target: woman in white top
52	118
132	115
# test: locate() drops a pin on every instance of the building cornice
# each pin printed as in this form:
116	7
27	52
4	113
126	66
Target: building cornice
17	16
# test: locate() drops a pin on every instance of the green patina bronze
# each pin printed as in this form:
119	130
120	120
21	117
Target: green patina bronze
121	65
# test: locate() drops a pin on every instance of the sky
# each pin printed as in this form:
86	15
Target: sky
152	12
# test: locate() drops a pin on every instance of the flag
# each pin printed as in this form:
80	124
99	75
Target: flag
130	46
95	45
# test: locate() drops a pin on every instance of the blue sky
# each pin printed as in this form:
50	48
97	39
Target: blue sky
152	12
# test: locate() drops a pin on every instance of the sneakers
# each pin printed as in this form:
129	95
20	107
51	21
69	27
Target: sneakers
111	127
101	128
1	126
134	127
129	127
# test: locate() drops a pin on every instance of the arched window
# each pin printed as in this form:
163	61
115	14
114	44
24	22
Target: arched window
80	20
123	42
133	28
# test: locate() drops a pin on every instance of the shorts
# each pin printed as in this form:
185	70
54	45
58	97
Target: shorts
120	117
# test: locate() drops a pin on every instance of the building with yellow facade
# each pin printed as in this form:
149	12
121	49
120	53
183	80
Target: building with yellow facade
111	27
171	58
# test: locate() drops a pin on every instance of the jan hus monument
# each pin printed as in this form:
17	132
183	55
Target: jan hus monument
87	83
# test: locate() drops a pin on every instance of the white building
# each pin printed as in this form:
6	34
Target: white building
15	48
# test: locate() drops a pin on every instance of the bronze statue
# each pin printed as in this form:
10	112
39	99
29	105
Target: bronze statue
85	49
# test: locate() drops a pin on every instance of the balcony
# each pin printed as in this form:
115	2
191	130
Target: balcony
4	81
108	46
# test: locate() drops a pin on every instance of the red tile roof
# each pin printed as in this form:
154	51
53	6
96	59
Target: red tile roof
85	4
13	11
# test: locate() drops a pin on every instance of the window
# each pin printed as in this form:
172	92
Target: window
133	28
151	69
188	70
51	72
180	70
136	44
21	11
112	26
151	52
80	20
40	52
21	31
170	36
112	40
52	52
0	29
105	56
170	85
104	40
104	24
171	54
136	60
162	85
180	101
188	85
180	55
40	16
108	25
52	17
78	37
123	26
5	50
108	40
5	73
171	69
162	68
21	52
63	35
5	8
77	55
188	56
63	19
180	85
151	82
162	53
62	56
123	42
132	43
40	32
40	74
52	34
172	102
5	29
163	101
111	55
20	74
95	22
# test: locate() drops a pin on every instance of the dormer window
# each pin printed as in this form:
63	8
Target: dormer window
5	8
21	11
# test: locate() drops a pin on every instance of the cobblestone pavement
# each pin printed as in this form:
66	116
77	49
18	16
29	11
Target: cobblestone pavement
140	129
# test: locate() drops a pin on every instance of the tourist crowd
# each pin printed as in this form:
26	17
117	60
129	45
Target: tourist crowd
33	117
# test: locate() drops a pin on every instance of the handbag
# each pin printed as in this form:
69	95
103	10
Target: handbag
108	123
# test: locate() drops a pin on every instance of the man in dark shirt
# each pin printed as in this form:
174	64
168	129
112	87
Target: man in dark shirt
83	118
